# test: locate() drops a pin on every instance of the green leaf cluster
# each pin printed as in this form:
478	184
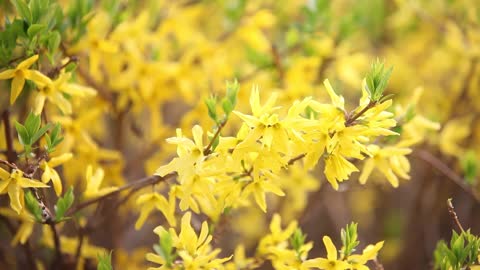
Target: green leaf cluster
260	59
165	247
349	239
461	253
32	206
297	240
78	16
63	204
469	165
31	131
41	23
105	261
54	138
228	103
377	80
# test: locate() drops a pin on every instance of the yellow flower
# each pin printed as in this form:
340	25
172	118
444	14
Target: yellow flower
49	174
55	91
338	168
22	73
93	183
358	261
331	262
240	261
195	251
264	124
390	161
259	187
153	200
453	133
13	184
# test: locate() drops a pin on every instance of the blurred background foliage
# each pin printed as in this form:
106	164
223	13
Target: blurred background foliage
157	59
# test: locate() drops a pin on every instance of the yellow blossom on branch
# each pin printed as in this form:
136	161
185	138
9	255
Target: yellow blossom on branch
22	73
13	183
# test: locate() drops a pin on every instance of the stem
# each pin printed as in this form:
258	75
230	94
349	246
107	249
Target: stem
11	165
453	214
445	170
352	119
54	72
103	91
378	265
208	149
295	159
78	252
11	156
57	262
26	247
147	181
277	61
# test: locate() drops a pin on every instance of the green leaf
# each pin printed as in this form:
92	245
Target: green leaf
227	106
211	103
232	92
35	29
297	240
377	79
33	207
165	247
40	132
23	10
32	124
63	204
35	8
54	40
56	131
23	136
261	60
105	261
469	166
349	239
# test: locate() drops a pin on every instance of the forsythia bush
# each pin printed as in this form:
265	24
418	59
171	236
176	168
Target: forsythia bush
205	134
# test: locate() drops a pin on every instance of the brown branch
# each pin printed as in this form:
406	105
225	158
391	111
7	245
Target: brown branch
208	150
57	262
54	72
377	264
78	251
277	61
11	156
295	159
11	165
150	180
103	91
445	170
351	119
453	214
26	247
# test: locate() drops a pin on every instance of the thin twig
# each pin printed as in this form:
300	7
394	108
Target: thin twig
209	147
351	120
453	214
11	165
78	252
295	159
277	61
103	91
54	72
11	156
147	181
445	170
378	265
57	262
